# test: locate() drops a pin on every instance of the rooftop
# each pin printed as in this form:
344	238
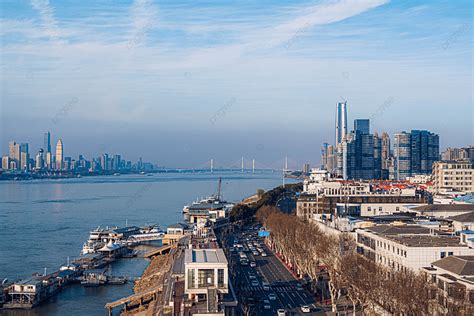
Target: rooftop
465	218
460	265
445	207
433	241
204	256
179	225
397	230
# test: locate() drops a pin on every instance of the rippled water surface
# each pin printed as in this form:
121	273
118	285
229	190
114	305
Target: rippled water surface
42	222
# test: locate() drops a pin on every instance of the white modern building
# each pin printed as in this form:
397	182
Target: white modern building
205	269
408	246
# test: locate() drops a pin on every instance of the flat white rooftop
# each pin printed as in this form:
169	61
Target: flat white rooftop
204	256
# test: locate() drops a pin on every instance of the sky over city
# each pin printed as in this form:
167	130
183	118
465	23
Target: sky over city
181	82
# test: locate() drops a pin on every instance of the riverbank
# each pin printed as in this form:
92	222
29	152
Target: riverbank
60	214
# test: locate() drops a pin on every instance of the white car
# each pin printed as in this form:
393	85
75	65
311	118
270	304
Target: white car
305	309
281	312
267	307
253	264
255	283
264	254
272	297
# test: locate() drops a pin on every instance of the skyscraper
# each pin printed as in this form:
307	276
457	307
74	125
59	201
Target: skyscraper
377	157
39	161
14	154
364	150
47	143
341	121
386	154
402	154
424	151
59	154
24	157
346	162
362	126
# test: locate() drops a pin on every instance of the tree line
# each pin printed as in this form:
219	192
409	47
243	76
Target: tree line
368	285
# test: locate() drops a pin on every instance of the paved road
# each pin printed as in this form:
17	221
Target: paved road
281	282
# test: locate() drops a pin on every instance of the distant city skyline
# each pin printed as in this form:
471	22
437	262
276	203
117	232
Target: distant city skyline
181	82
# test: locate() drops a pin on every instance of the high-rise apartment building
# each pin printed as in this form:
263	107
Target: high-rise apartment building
346	162
415	153
377	157
59	154
458	154
105	162
402	154
453	176
24	157
15	154
116	162
341	122
424	151
39	159
5	163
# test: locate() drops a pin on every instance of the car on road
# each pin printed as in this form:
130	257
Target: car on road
253	264
281	312
272	296
305	309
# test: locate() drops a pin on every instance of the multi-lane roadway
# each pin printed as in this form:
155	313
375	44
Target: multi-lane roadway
268	287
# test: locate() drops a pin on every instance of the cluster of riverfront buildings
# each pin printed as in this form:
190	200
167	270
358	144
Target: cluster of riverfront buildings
404	224
360	154
20	160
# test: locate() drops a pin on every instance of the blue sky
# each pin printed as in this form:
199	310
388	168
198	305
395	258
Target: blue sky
180	82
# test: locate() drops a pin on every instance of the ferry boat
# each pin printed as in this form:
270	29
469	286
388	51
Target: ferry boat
212	202
100	237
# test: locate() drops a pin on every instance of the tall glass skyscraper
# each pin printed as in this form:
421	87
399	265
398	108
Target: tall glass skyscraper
341	122
424	151
402	154
362	126
47	143
415	153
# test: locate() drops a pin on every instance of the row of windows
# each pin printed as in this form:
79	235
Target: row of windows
387	246
369	209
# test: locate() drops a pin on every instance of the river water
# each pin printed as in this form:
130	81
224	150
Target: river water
42	222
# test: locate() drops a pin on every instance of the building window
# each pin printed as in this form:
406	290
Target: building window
191	283
220	278
205	278
443	254
450	253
